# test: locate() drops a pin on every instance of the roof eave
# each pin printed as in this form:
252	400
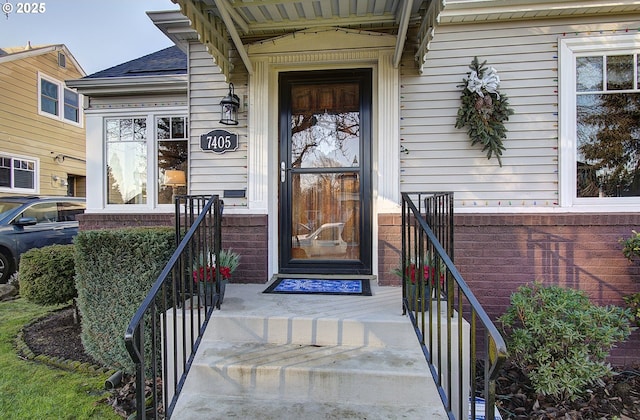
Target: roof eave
43	50
109	86
467	11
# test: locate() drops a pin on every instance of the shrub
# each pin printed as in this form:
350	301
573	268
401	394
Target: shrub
631	245
47	275
560	339
633	302
115	271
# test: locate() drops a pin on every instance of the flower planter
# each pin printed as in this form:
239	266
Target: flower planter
415	298
208	294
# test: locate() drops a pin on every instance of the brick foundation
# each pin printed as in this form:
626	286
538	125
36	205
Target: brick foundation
497	253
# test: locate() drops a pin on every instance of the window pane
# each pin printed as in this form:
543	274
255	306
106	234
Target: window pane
71	106
589	74
163	129
139	129
5	177
42	212
127	173
113	130
48	97
177	128
71	114
619	72
23	179
172	156
608	145
126	130
67	211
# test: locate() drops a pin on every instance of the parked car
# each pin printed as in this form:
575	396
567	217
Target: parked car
32	222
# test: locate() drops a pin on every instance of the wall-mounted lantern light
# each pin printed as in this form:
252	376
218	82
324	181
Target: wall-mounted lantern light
229	108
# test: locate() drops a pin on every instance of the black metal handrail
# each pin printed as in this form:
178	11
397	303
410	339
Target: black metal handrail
164	334
450	323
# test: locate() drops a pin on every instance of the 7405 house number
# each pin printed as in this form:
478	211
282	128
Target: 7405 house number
219	141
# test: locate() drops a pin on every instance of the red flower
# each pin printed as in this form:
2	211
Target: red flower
428	273
208	273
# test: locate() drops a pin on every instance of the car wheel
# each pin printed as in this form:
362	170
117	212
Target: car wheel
6	268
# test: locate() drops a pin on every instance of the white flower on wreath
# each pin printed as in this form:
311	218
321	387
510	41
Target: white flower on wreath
489	82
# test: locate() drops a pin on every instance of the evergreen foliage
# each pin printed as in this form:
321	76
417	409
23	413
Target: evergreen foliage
47	275
115	270
560	339
484	113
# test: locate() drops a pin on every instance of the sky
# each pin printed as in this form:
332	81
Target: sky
98	33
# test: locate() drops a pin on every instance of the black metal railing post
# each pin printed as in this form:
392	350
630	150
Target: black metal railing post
449	317
164	334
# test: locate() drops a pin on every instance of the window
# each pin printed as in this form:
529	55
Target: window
172	149
600	104
126	160
129	155
17	174
57	101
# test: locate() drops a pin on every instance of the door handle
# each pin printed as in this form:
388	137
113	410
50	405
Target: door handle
283	172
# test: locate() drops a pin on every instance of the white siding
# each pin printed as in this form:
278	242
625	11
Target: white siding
213	173
440	157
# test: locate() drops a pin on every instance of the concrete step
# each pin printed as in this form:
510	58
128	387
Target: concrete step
311	357
199	407
294	372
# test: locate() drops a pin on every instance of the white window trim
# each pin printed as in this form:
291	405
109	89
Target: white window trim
36	175
61	87
152	160
568	50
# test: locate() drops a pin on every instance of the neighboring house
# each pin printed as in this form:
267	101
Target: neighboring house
341	110
42	134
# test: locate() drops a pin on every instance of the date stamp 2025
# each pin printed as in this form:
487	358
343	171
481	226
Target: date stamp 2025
30	8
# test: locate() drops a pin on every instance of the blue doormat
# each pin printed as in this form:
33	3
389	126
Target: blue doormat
320	286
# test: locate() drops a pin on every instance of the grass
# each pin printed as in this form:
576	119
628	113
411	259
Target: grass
29	390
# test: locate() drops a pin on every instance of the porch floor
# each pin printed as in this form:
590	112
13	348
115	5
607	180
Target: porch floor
280	356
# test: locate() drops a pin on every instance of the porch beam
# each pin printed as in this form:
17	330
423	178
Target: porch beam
237	18
211	33
402	31
226	18
427	30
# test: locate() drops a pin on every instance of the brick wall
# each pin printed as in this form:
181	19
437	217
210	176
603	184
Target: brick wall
248	236
497	253
389	248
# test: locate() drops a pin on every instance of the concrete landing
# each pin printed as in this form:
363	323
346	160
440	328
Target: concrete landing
268	356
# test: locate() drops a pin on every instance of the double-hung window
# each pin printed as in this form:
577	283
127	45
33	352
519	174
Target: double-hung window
57	101
146	159
600	121
18	174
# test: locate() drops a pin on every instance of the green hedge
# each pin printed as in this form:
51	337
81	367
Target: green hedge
114	271
47	275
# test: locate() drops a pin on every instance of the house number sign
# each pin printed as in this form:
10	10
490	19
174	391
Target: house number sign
219	141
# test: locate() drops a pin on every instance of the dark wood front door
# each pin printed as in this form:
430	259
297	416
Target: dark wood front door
325	172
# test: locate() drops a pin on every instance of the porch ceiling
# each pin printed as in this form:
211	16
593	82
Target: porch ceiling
224	24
